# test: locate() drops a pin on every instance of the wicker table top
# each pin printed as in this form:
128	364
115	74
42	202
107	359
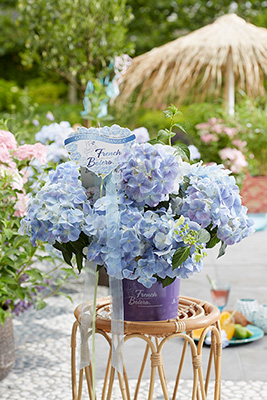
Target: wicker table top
192	314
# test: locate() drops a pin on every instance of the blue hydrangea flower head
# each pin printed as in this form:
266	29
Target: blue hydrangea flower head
146	176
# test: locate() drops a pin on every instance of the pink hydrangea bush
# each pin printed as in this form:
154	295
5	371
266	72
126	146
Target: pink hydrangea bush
22	282
13	167
31	151
220	143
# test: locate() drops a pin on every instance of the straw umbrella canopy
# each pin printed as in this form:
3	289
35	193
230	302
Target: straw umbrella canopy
225	54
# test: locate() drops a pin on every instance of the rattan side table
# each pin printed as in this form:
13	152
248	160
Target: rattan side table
192	314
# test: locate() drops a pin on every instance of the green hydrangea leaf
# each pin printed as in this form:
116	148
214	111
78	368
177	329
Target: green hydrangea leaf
180	256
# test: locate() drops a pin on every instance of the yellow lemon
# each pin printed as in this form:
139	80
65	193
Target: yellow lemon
227	324
197	333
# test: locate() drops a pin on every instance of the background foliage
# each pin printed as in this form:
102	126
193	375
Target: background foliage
52	42
158	22
74	39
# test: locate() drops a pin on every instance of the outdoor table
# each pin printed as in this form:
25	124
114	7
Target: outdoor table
192	314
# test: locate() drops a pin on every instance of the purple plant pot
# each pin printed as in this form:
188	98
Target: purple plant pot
154	304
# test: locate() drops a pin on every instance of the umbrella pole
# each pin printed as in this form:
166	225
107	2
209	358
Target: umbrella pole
230	85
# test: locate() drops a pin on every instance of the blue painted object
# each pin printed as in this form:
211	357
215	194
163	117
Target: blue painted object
260	221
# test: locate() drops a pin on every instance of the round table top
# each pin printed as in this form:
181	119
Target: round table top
192	314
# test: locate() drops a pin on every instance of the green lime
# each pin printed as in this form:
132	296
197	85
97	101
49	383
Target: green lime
249	333
240	332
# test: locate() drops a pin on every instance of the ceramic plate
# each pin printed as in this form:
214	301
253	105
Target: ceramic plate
258	333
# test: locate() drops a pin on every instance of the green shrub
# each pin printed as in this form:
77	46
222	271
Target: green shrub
200	112
12	98
252	116
45	92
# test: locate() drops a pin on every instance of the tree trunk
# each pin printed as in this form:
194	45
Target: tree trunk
72	95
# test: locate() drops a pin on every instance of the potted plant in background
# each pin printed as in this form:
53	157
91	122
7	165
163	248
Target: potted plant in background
22	282
169	212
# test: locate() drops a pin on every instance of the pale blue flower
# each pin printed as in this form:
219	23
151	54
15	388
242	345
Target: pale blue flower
35	122
112	89
146	176
212	198
50	116
89	88
103	109
56	212
53	137
147	281
141	134
162	241
129	242
194	153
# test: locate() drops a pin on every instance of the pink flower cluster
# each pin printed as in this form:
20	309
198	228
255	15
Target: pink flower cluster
31	151
213	129
234	159
10	155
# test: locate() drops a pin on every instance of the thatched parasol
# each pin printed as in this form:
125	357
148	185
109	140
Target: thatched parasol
227	53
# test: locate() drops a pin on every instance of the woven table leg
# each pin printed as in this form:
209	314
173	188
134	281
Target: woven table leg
126	381
111	380
156	362
104	390
160	366
141	372
89	380
80	384
197	364
123	387
150	345
179	370
217	360
214	356
73	360
209	370
152	382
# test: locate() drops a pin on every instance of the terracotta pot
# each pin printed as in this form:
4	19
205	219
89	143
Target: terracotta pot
254	193
7	348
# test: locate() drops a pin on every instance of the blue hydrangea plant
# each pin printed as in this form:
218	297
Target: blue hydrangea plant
170	212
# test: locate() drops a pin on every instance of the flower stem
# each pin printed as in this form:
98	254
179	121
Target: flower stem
170	132
93	334
94	312
101	186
